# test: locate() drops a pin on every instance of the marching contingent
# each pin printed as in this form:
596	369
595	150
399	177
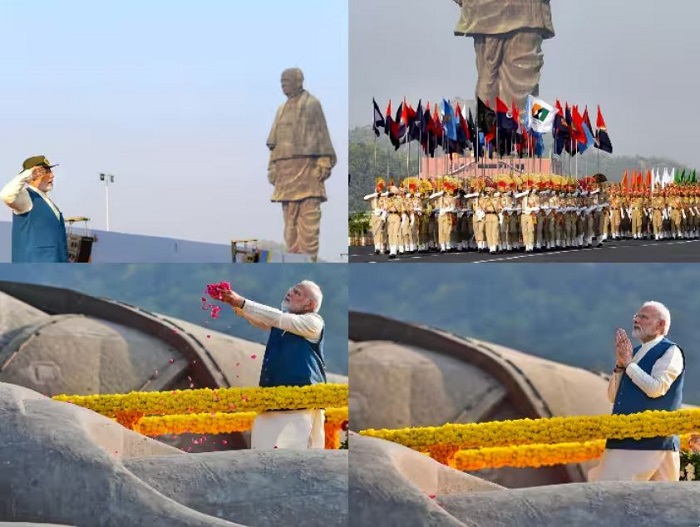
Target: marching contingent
528	212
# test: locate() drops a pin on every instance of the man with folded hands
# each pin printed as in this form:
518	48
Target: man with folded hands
647	377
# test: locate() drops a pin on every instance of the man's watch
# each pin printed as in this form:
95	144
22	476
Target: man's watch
619	368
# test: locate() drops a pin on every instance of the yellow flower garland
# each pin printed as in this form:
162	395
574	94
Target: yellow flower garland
522	456
224	400
546	430
534	456
215	422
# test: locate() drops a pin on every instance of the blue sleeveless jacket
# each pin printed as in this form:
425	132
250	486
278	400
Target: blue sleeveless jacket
38	235
291	360
630	399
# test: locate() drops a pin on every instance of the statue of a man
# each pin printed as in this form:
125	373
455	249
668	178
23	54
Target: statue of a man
508	37
301	159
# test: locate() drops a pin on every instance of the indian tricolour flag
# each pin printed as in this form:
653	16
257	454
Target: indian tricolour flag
540	115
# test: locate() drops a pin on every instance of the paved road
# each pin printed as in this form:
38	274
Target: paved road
615	251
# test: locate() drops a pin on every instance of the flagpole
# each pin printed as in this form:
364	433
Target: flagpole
388	154
420	145
408	152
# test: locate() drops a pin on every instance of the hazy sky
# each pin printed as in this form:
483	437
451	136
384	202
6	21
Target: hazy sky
176	99
637	59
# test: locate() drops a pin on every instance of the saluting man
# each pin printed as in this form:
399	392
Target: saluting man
38	228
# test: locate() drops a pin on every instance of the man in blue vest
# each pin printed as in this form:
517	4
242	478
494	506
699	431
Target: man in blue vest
293	357
648	377
38	229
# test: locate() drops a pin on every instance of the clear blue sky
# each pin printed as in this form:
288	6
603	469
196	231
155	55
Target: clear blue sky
176	99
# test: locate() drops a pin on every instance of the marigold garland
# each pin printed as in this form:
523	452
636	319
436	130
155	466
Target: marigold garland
215	423
225	400
546	430
533	456
522	456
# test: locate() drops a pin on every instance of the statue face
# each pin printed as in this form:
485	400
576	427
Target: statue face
291	83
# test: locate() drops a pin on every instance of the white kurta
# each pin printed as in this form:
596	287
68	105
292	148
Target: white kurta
296	429
643	465
16	196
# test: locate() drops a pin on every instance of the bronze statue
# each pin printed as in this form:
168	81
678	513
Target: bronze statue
301	159
508	37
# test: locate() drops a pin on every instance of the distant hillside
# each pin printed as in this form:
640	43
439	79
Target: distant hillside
567	313
364	170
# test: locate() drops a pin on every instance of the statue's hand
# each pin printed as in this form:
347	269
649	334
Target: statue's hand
323	173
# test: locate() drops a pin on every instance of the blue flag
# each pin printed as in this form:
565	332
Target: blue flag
448	121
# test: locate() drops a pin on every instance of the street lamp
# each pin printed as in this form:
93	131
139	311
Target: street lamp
107	178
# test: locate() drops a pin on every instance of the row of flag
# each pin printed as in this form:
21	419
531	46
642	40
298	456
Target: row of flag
636	180
501	130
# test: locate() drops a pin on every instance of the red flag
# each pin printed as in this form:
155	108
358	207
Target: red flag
404	112
648	182
501	107
625	182
560	110
577	132
437	124
600	122
388	109
462	122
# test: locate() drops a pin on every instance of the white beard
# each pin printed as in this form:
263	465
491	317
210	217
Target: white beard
285	306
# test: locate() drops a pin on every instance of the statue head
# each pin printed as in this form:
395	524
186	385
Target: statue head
292	82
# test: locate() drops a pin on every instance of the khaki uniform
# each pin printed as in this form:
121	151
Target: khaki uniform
377	221
541	219
479	223
615	216
414	218
558	219
658	205
591	218
604	217
528	219
676	216
506	243
394	210
446	205
491	207
636	213
424	238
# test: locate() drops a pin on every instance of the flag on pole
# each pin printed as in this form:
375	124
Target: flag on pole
540	115
378	119
602	139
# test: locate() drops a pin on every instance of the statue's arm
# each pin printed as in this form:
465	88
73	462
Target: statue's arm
316	115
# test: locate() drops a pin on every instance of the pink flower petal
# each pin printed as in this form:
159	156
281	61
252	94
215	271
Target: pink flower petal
253	356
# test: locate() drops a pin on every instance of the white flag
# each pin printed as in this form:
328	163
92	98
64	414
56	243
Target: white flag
540	115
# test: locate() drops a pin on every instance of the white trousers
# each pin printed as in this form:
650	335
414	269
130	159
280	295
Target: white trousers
637	465
295	430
